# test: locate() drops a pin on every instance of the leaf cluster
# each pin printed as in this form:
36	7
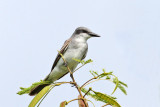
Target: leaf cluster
111	77
27	90
98	96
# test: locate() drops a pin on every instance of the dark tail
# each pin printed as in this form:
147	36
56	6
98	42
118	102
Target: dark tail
37	89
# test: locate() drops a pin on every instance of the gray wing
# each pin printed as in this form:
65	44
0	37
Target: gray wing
38	88
62	51
85	54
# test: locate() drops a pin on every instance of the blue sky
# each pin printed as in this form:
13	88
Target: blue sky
31	32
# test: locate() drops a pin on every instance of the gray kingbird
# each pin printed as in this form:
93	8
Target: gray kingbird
75	47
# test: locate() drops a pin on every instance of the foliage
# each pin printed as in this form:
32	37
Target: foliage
27	90
40	95
98	96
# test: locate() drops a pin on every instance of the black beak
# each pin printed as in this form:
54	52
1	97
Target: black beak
93	34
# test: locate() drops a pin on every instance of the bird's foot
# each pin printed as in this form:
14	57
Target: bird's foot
73	84
65	64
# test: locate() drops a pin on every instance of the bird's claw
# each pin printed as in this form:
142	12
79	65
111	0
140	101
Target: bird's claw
65	64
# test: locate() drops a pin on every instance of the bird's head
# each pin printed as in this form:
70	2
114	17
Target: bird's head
83	32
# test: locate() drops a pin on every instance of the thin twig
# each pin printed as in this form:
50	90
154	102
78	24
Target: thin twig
65	82
65	62
71	75
92	82
87	92
106	105
88	81
79	68
74	100
91	102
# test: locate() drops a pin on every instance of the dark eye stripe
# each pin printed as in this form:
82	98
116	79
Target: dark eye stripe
84	31
81	31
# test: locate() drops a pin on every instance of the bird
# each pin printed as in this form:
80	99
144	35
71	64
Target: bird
75	47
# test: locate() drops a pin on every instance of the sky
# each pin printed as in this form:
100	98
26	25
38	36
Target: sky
31	32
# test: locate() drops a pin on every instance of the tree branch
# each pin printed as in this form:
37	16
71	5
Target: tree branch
88	81
71	75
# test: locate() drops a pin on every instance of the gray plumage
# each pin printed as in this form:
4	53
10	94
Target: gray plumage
75	47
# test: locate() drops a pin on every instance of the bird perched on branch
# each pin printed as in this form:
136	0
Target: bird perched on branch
75	47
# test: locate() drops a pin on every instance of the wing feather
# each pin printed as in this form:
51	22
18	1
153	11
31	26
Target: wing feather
63	50
85	54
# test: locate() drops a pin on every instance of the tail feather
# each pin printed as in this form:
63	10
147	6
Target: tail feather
37	89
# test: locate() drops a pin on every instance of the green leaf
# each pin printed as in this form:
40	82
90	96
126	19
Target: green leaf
117	83
88	61
27	90
38	97
82	61
107	99
94	73
108	77
105	74
122	89
103	70
94	96
120	86
63	104
122	83
78	60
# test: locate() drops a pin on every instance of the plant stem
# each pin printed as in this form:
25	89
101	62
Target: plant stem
88	81
87	92
79	90
92	82
74	100
79	67
65	82
71	75
105	105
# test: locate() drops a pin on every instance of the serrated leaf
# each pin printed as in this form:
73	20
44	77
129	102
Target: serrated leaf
63	104
38	97
117	83
107	99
